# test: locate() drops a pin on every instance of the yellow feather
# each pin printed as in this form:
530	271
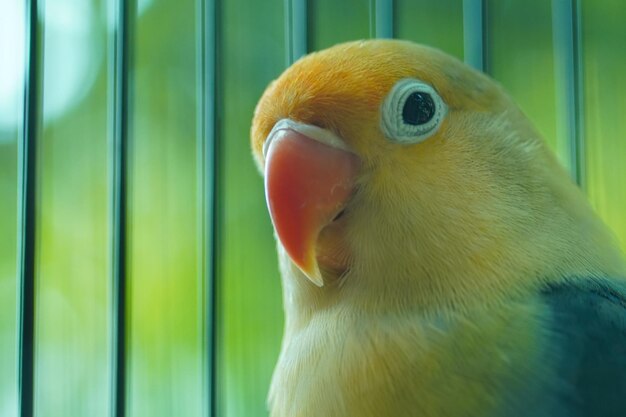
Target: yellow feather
442	233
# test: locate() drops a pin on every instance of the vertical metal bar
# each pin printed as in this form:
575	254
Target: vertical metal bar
381	12
568	77
119	135
296	29
27	222
288	33
475	33
207	149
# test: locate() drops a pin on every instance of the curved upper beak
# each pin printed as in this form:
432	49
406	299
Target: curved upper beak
310	175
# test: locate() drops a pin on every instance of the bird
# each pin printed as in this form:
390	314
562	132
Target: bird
435	258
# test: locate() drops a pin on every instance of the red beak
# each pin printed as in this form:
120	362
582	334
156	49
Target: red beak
307	183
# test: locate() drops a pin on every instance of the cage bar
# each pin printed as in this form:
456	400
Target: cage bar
568	78
475	33
207	149
296	29
382	13
27	215
119	49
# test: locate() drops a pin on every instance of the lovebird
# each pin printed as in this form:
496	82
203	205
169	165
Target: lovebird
436	260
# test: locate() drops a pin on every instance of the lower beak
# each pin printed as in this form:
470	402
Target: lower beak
308	181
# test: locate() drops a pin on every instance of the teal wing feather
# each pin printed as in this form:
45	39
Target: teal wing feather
588	328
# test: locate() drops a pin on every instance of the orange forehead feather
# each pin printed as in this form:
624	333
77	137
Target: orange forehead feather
342	88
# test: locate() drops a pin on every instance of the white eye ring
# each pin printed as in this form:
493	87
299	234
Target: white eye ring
393	123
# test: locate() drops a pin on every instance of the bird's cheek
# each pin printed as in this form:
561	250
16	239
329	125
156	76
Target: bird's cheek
307	184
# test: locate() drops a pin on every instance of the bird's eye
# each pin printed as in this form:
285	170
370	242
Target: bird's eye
411	112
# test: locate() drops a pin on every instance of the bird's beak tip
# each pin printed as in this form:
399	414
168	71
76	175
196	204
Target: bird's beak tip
314	275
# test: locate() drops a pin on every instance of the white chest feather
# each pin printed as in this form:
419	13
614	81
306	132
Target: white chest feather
400	365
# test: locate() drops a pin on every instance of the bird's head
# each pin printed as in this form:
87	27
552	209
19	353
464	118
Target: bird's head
393	169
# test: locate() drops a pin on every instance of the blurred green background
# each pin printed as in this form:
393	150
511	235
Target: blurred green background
165	314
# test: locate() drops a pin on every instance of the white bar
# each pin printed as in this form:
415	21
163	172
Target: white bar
568	82
296	29
474	33
384	19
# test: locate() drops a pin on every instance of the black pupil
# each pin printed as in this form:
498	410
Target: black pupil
418	109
